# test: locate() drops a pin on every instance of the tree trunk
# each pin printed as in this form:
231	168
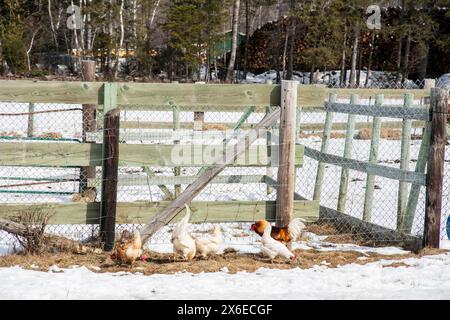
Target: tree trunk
399	60
369	65
291	43
285	48
405	68
423	65
52	25
342	76
290	67
358	78
354	56
82	30
234	41
313	66
122	36
154	13
89	36
247	37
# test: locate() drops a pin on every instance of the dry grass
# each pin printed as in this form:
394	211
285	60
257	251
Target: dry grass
333	135
51	135
386	133
164	264
9	134
215	126
333	234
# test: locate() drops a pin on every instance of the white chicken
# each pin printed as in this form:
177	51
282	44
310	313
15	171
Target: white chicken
272	248
183	243
209	244
296	229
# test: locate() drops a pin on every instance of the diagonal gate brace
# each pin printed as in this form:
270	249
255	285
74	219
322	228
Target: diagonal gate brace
231	154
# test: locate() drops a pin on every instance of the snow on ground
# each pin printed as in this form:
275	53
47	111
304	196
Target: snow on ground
444	81
377	79
424	278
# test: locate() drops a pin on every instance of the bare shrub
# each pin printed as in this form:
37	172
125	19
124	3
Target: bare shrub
35	221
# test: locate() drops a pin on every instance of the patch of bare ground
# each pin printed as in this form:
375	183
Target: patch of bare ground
159	263
334	235
396	265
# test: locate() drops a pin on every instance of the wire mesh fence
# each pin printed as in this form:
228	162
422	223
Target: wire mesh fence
59	123
359	147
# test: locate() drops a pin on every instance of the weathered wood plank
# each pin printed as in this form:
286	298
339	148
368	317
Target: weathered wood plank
343	185
435	173
130	181
197	95
139	212
373	159
65	92
369	168
176	128
89	124
30	127
311	95
404	164
413	113
286	155
421	165
233	96
323	149
388	93
110	170
138	155
162	181
245	126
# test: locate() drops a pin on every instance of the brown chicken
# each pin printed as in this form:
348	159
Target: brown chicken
285	234
129	247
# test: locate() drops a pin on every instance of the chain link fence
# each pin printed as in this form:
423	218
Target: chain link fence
385	195
64	123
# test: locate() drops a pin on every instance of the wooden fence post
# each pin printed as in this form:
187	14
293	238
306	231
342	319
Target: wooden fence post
373	158
404	163
429	83
30	128
269	170
199	116
421	165
176	131
110	166
343	186
435	174
324	149
89	125
286	162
